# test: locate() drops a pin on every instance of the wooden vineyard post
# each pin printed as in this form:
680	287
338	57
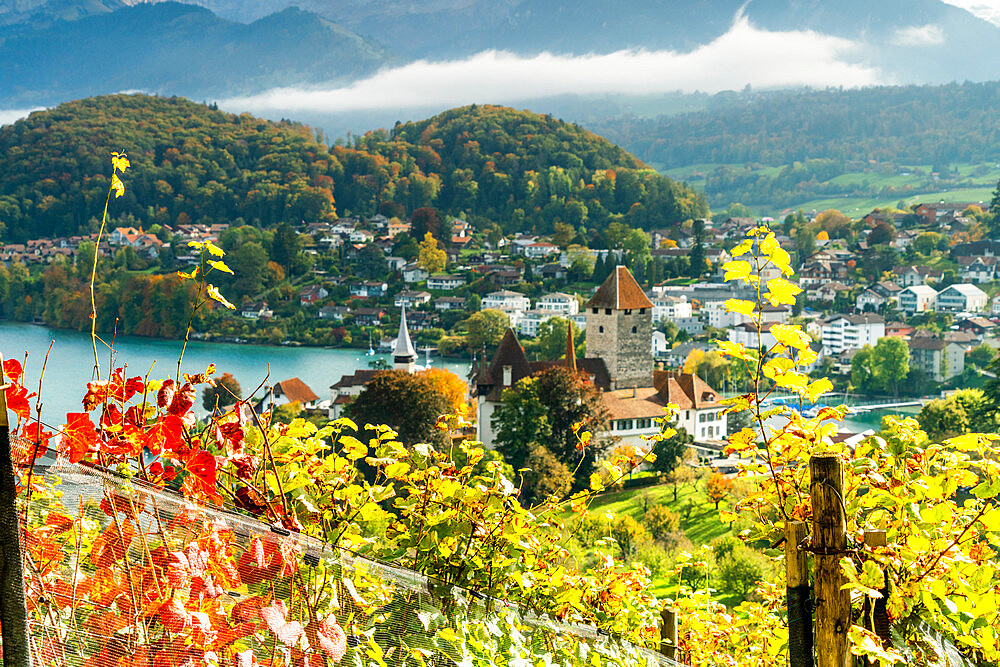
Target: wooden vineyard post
876	616
798	593
829	541
668	632
13	605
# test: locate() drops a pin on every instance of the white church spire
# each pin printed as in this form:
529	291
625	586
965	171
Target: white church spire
405	357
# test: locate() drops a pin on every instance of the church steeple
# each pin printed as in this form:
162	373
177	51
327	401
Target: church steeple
405	357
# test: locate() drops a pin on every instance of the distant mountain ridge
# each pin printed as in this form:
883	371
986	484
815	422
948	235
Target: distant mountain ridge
173	48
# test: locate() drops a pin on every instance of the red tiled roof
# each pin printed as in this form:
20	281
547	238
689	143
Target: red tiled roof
619	291
295	390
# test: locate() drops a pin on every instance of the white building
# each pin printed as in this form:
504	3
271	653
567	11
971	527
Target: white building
917	299
851	332
507	301
559	303
445	282
962	298
746	335
667	307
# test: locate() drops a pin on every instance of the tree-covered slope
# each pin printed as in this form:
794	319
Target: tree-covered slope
524	170
194	163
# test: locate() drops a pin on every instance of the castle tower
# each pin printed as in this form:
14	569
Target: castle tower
620	330
405	357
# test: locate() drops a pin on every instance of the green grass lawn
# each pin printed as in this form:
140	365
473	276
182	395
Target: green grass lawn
701	527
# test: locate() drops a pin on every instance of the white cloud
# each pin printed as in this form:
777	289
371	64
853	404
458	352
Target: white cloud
988	10
744	55
8	116
919	35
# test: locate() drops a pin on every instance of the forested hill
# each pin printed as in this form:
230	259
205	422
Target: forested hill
954	122
195	163
814	137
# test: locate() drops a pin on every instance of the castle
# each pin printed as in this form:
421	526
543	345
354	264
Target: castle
619	362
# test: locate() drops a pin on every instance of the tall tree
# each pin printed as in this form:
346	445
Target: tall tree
379	403
890	363
224	394
431	258
698	265
485	328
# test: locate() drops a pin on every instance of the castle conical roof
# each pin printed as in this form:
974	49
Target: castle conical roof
570	347
620	291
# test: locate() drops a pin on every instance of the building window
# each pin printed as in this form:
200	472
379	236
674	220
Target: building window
594	310
607	311
635	329
600	329
628	311
642	311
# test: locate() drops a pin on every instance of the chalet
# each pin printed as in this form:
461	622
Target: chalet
420	320
553	272
932	211
898	329
361	236
369	288
878	295
255	310
540	250
445	283
449	303
311	294
120	236
977	325
332	312
411	299
368	317
413	273
979	269
984	248
908	276
292	390
826	292
816	272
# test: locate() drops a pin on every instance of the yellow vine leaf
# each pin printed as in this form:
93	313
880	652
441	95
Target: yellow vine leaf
791	335
117	186
818	388
743	440
188	276
219	265
736	269
214	249
214	293
728	348
781	292
743	248
120	162
741	306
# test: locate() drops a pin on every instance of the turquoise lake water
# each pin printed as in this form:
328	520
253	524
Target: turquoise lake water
72	359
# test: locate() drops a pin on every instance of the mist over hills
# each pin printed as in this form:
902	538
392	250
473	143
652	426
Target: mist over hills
215	49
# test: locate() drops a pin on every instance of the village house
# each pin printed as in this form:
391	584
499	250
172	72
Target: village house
826	292
255	310
558	303
413	273
507	301
292	390
745	334
845	332
917	298
978	269
368	289
311	294
670	308
411	299
939	359
961	298
368	317
449	303
445	282
908	276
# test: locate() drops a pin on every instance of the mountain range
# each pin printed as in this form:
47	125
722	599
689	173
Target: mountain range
212	49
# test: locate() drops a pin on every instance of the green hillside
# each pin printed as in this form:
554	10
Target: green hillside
192	162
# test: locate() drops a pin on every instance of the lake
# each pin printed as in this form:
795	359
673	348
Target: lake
72	360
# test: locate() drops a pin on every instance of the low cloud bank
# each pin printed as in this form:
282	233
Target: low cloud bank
744	55
8	116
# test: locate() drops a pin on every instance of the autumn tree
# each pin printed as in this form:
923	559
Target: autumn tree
381	401
452	387
225	393
431	258
670	450
660	521
964	411
718	487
